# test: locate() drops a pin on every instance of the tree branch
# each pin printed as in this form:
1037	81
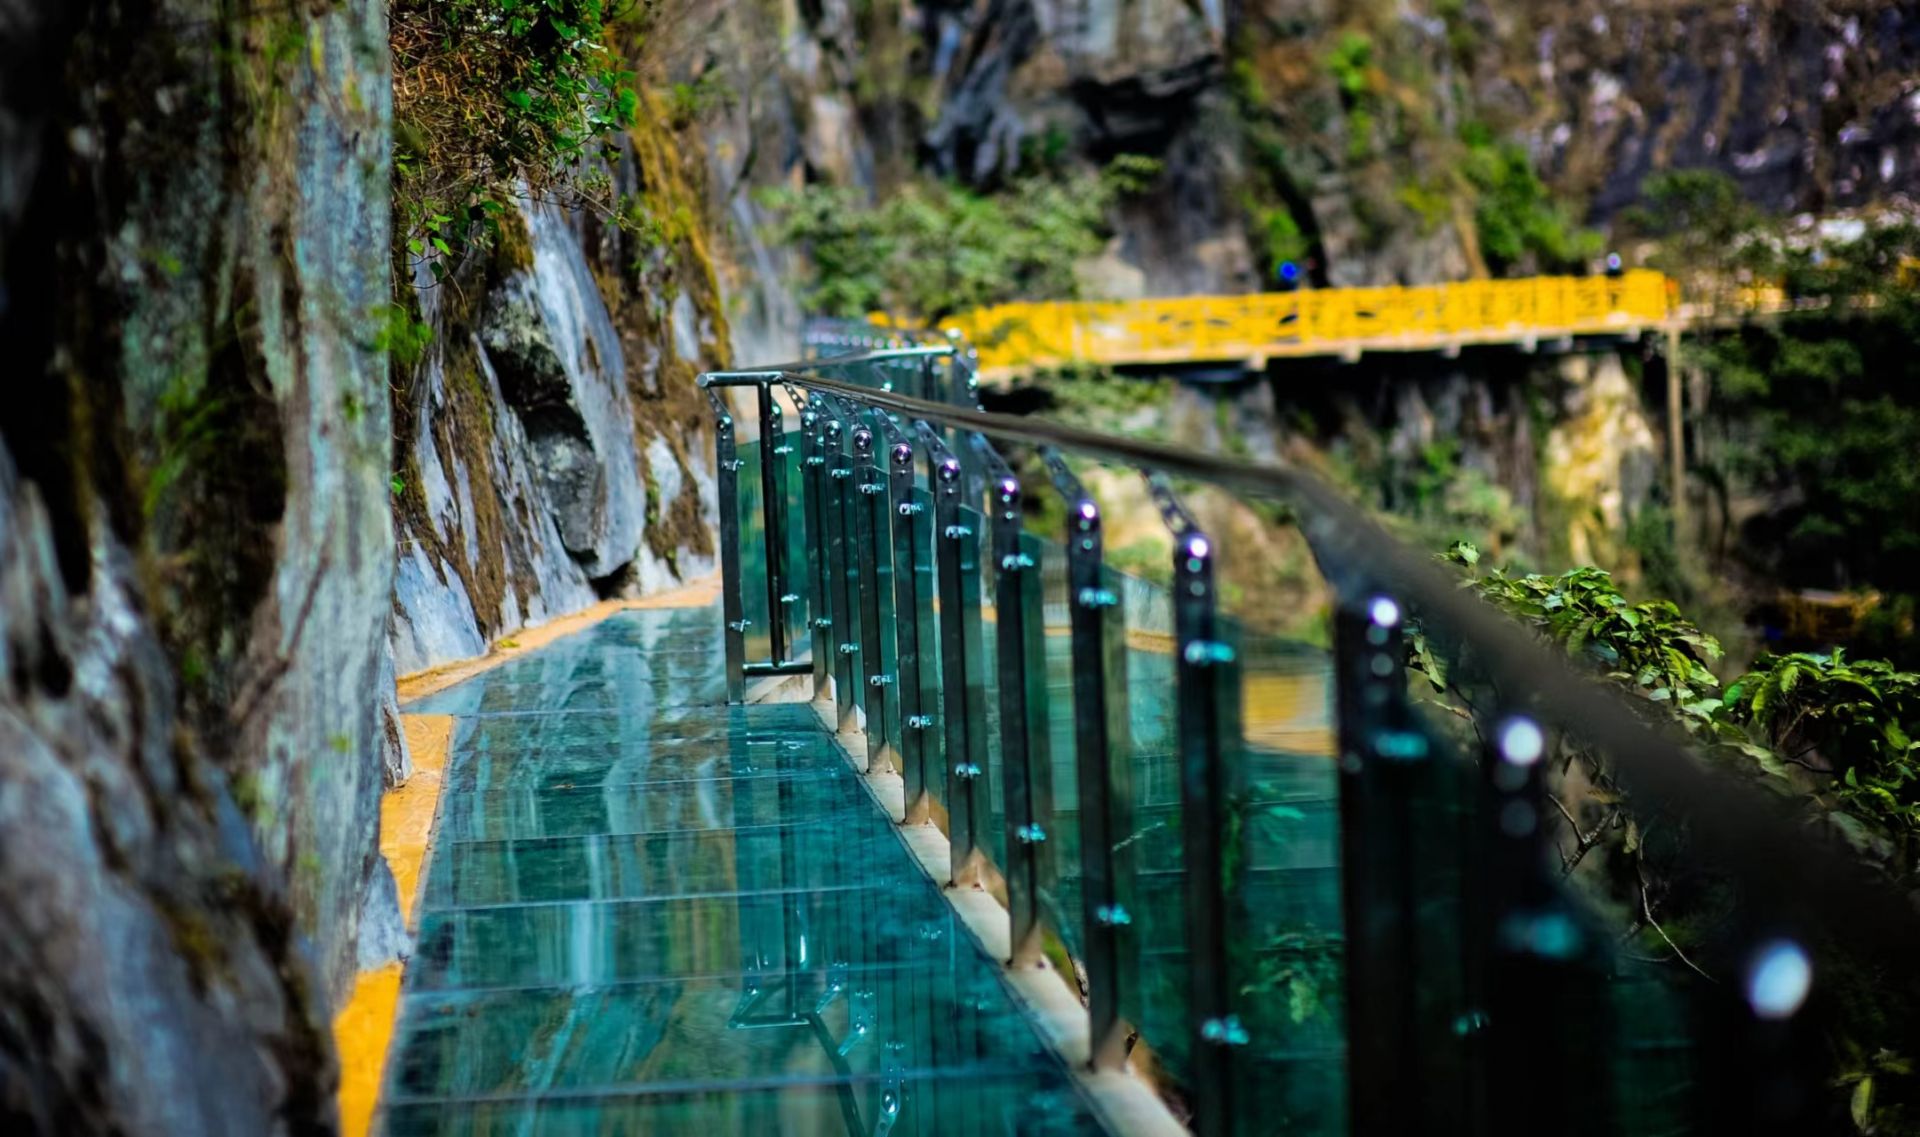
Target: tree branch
1646	910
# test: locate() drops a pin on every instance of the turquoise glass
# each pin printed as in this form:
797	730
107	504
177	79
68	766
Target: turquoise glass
1060	901
1285	925
931	735
798	611
879	656
982	691
753	555
1147	791
650	912
1128	838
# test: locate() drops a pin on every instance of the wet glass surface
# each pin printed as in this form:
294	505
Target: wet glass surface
647	912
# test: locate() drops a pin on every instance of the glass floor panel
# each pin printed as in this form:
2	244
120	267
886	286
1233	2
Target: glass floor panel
556	764
1038	1104
657	865
649	912
795	1027
660	807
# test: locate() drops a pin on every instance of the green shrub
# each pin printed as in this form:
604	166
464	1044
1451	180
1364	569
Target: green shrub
1839	734
494	95
1834	735
1520	223
930	249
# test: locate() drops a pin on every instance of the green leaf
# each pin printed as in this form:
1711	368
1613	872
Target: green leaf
1579	638
1861	1106
1769	761
1858	833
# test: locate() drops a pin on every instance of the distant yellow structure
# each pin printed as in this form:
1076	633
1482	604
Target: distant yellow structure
1252	329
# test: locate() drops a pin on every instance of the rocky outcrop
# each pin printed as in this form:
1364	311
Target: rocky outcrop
1601	453
194	557
551	448
555	357
1349	119
201	479
1811	105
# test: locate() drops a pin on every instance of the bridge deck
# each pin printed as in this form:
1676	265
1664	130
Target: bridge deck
649	912
1253	329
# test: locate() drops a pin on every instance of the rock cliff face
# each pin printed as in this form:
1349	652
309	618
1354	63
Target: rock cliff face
194	558
1542	461
205	457
551	447
1348	117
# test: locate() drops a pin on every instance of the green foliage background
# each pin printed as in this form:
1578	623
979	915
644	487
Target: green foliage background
1835	736
930	249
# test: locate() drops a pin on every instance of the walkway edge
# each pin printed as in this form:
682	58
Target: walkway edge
1124	1100
363	1030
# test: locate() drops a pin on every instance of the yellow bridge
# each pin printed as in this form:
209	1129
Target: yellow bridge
1250	330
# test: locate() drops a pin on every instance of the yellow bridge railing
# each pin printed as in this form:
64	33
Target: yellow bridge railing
1253	329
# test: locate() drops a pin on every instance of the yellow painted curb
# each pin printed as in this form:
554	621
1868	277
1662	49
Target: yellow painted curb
363	1030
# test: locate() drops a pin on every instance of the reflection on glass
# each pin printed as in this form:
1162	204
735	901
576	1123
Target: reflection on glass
753	561
655	913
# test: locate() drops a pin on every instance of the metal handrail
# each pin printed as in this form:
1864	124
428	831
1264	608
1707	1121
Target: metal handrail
1447	901
1751	831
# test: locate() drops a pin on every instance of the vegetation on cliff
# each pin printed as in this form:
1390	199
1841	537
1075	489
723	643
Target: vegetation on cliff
1835	735
931	249
1811	408
494	97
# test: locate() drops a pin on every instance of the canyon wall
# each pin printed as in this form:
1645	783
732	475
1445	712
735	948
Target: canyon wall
232	506
195	559
1365	132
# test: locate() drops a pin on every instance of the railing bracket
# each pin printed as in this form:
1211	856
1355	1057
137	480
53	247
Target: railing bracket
1226	1031
1097	598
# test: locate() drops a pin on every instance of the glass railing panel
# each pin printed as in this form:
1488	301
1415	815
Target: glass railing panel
963	665
1142	920
841	508
799	578
753	556
1036	925
879	653
1552	923
1061	901
929	734
1286	941
1147	794
983	691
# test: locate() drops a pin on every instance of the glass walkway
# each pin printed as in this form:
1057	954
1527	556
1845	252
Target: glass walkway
1280	886
648	912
